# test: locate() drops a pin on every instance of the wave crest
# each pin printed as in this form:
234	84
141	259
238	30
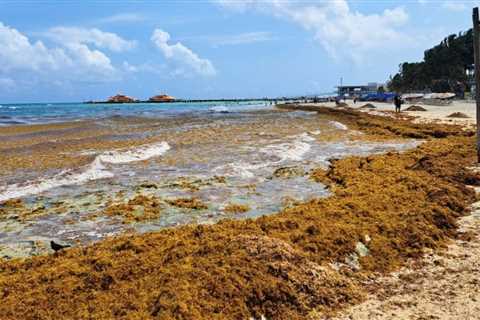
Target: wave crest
94	171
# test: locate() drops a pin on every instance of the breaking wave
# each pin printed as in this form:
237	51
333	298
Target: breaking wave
293	151
219	109
277	153
137	154
94	171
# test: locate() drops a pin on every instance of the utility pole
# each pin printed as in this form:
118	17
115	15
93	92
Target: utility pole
476	50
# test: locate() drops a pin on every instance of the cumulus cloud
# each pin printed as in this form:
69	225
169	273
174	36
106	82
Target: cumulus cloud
90	59
335	25
101	39
186	61
71	61
18	53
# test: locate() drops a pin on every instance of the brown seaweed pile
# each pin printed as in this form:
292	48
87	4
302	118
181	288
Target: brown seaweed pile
17	209
415	108
398	125
279	266
140	208
188	203
368	106
458	115
236	208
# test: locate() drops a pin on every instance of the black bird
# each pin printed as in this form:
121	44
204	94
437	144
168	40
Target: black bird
57	247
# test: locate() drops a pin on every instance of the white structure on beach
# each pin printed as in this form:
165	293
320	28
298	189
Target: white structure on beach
358	90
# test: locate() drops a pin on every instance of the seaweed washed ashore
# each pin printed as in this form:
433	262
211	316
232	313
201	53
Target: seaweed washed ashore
307	261
163	174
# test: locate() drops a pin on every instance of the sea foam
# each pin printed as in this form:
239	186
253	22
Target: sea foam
293	151
94	171
281	153
138	154
220	109
338	125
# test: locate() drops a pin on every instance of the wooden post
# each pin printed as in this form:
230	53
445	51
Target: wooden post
476	50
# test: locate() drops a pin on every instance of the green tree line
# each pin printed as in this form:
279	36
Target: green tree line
442	69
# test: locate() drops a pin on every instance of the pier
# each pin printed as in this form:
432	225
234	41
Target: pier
282	100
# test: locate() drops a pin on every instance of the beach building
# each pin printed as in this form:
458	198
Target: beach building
162	98
120	98
358	90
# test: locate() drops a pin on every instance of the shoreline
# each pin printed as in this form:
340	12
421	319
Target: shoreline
265	265
432	113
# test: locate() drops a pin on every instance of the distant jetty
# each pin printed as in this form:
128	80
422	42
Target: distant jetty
121	98
165	98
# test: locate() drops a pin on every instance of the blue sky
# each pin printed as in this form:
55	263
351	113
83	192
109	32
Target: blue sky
80	50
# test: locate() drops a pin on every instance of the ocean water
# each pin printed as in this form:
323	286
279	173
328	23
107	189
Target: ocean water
39	113
246	154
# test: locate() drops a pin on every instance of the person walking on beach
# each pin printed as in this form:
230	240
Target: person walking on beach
397	101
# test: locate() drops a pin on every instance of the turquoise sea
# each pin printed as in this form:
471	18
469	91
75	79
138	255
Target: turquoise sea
35	113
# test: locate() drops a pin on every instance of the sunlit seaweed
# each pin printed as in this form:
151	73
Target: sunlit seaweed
140	208
188	203
19	210
277	265
236	208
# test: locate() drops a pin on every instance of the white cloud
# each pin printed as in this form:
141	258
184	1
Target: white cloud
185	59
454	6
101	39
22	59
18	53
123	18
84	57
338	28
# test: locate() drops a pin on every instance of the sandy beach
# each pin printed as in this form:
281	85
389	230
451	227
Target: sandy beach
437	114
